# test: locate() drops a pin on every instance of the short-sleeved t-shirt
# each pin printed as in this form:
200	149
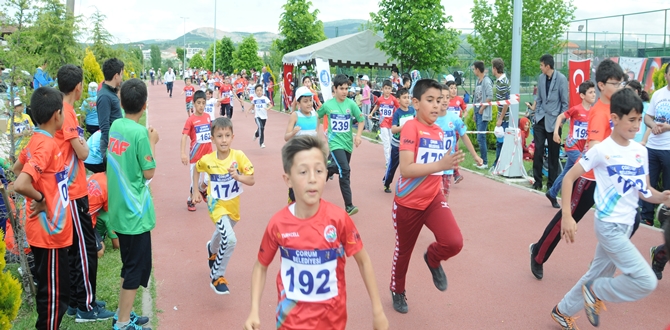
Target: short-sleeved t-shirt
131	208
501	93
94	153
316	249
427	144
226	91
261	105
621	172
579	122
21	123
386	108
600	128
457	105
43	160
452	126
188	92
341	117
223	192
400	117
209	108
659	109
76	170
239	85
97	195
198	130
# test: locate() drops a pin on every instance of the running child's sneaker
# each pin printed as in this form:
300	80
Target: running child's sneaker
535	268
458	179
95	314
262	145
662	214
203	194
566	322
439	278
400	302
71	311
190	206
387	189
130	326
134	318
210	256
351	210
220	286
656	266
592	305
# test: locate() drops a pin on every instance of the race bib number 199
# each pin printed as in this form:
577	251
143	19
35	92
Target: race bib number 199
309	275
579	130
224	187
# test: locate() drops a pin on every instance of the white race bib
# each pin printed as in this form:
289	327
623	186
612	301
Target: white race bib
449	140
385	110
61	182
19	127
579	130
309	275
404	120
189	93
202	134
340	123
430	151
625	177
224	187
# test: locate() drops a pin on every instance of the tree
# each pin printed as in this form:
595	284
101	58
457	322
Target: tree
180	54
155	57
544	22
246	55
197	61
92	71
18	57
415	33
298	26
100	38
224	55
274	59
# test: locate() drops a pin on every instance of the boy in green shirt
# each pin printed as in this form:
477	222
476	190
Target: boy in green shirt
130	163
341	112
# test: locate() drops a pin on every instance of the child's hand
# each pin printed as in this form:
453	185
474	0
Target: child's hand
296	129
479	160
252	323
666	198
357	141
37	207
568	229
184	159
450	161
195	197
153	135
233	171
557	138
379	322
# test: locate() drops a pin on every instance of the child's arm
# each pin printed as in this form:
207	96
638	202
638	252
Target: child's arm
80	147
248	180
368	275
656	196
471	149
557	126
410	169
24	186
645	138
153	139
568	224
18	167
195	194
258	276
292	129
374	110
395	129
184	154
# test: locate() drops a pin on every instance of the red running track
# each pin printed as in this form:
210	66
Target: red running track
490	284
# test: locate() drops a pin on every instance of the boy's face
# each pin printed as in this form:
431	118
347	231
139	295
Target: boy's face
208	95
18	109
628	125
199	106
404	100
428	107
444	103
387	90
341	92
453	90
306	104
590	96
223	138
407	84
259	91
610	87
188	82
307	176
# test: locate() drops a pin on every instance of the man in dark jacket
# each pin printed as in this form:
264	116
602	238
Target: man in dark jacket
108	105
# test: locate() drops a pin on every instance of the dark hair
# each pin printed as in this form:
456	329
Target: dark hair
298	144
449	83
306	77
257	86
479	65
351	79
406	79
635	85
44	102
222	122
111	67
199	95
187	79
624	101
133	95
340	80
498	64
209	91
69	76
667	67
424	85
395	69
608	69
387	83
584	86
401	92
547	60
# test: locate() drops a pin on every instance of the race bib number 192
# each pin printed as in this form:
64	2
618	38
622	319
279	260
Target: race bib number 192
309	275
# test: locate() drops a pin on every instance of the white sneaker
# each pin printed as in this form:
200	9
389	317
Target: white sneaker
482	167
263	145
255	137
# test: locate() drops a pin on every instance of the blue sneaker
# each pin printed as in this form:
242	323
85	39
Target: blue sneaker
592	305
96	314
71	311
134	318
130	326
220	286
101	303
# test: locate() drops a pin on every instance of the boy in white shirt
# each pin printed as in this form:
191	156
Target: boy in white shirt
622	175
260	109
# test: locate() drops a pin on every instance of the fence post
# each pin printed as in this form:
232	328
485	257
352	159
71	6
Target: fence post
623	20
586	45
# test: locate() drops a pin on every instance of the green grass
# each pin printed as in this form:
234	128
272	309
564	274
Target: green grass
108	286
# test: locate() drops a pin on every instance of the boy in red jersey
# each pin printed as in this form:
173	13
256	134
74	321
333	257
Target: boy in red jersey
314	238
386	106
419	200
226	96
188	90
197	129
240	84
43	181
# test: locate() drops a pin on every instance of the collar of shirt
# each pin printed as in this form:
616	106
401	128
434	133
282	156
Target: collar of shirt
502	76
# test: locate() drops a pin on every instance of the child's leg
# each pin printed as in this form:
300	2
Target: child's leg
446	186
258	127
385	134
393	166
448	237
573	156
224	241
342	158
457	172
53	286
262	131
135	270
192	168
83	257
229	110
407	224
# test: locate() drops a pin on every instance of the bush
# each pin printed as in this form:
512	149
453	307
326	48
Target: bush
471	125
10	292
659	78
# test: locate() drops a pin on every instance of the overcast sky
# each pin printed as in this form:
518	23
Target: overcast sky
136	20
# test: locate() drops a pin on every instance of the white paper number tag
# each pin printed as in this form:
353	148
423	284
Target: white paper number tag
309	275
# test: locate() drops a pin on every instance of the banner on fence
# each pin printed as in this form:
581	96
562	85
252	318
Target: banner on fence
580	71
323	72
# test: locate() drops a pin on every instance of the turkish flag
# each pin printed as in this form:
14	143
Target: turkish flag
288	88
580	71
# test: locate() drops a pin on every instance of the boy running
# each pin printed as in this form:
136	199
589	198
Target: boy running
386	105
418	200
341	112
197	130
314	238
458	106
608	77
401	116
130	163
228	170
226	97
576	140
621	169
188	90
260	110
43	181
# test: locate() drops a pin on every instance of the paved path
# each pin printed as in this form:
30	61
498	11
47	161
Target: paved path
490	284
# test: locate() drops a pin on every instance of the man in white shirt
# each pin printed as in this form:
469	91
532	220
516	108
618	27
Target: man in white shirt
169	80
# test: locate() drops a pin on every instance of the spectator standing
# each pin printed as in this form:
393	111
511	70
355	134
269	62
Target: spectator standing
107	103
90	109
501	87
169	80
365	102
483	113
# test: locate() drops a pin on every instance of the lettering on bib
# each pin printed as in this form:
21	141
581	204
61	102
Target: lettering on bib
430	151
61	182
224	187
386	110
202	134
309	275
340	123
579	130
625	177
19	127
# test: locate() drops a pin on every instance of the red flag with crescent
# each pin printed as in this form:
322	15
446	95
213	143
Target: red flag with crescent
288	88
580	71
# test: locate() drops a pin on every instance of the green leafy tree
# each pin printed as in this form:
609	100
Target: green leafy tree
197	61
224	55
415	33
180	54
544	22
100	38
274	58
659	78
18	57
155	56
298	26
246	55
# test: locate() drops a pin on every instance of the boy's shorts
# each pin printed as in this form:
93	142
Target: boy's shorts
446	184
189	107
136	260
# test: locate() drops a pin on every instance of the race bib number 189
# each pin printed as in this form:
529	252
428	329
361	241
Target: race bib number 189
309	275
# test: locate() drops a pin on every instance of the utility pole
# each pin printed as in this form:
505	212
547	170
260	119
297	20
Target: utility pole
70	6
184	61
214	51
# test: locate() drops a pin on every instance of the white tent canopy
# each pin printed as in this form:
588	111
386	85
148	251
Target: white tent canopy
357	49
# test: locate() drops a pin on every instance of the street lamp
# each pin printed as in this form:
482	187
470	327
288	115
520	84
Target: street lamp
184	61
214	51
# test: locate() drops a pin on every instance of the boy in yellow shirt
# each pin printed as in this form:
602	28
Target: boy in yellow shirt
22	126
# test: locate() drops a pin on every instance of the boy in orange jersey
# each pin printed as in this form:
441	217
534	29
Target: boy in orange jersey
98	206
